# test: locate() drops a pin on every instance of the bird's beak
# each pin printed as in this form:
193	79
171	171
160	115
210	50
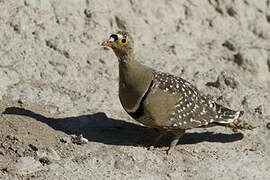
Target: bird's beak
107	43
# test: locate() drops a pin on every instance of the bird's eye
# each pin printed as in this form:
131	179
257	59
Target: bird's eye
122	41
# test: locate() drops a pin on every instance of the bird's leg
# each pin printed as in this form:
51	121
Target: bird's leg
160	132
175	140
151	145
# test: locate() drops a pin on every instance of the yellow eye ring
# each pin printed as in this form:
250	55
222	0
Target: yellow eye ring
122	41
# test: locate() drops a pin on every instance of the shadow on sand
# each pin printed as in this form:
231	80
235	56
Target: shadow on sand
99	128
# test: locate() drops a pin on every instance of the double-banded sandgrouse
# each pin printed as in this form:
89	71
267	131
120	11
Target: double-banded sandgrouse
164	101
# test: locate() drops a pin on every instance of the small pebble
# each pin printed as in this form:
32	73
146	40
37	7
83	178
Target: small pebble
268	125
33	147
78	139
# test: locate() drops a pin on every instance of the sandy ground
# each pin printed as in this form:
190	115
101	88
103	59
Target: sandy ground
56	83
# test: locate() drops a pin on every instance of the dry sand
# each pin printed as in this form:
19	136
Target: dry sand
56	81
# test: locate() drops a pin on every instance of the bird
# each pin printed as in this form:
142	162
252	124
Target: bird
163	101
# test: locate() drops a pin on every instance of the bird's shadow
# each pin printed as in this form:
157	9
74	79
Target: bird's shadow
100	128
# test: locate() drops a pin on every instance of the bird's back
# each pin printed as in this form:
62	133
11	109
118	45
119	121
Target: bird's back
174	103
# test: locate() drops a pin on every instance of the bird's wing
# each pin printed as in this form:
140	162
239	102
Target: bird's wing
192	109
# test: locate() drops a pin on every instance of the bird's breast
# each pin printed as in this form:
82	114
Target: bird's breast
134	82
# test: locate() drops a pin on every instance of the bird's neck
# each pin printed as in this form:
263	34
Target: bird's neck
124	55
134	81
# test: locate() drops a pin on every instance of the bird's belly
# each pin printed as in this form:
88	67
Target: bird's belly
142	116
149	116
147	120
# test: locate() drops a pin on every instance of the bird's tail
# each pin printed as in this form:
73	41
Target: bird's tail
230	118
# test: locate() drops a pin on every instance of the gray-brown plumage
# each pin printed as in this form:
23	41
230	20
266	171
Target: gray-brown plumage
163	101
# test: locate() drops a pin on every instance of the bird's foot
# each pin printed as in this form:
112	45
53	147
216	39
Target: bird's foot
163	148
152	147
146	145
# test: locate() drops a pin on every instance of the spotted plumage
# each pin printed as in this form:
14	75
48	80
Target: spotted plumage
164	101
192	109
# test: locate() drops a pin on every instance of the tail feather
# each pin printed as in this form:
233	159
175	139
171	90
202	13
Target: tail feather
230	118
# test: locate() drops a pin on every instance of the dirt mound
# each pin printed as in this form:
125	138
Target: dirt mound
57	83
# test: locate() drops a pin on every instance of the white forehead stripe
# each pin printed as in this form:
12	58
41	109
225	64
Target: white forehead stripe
111	39
120	36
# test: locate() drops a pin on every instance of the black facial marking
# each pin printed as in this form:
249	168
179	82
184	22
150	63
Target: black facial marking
114	36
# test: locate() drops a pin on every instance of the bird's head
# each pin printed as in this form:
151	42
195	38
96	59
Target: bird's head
121	43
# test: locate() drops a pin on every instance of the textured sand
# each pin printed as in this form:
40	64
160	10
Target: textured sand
56	81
